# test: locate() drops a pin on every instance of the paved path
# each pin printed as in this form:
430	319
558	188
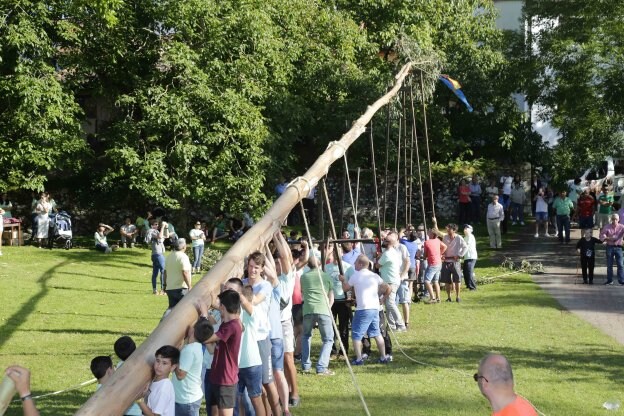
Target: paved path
601	306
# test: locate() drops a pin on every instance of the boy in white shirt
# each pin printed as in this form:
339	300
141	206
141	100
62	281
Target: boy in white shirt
160	399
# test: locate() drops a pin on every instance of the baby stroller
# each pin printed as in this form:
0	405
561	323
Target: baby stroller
60	230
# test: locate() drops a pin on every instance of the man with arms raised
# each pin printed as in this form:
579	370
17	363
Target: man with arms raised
367	286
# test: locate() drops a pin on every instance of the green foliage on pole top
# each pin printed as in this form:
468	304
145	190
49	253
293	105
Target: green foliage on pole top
573	69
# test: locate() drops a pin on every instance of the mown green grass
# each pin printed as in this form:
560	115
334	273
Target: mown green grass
61	308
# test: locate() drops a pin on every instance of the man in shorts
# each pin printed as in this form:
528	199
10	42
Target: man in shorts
367	285
434	248
456	248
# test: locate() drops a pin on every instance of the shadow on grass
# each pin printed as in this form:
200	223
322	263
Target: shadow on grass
102	278
16	320
83	331
62	404
465	358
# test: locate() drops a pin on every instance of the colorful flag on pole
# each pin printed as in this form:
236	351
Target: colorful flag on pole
455	86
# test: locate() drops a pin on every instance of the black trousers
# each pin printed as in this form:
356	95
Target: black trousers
342	311
587	267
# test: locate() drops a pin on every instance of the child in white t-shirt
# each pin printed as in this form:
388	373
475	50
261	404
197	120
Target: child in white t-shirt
160	398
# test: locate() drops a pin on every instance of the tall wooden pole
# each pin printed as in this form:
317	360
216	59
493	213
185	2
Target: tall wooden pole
128	381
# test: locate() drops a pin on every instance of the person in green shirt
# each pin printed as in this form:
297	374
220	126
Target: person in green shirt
563	206
318	297
605	207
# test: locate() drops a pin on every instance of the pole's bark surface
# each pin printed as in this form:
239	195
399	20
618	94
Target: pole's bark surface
129	380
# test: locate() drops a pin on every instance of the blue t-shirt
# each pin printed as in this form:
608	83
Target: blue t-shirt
351	256
249	354
275	316
208	357
334	271
263	326
189	389
412	249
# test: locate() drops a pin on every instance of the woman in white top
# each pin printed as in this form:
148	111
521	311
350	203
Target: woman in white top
541	213
197	242
470	258
43	221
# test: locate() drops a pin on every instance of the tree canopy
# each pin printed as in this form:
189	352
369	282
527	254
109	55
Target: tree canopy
573	71
194	102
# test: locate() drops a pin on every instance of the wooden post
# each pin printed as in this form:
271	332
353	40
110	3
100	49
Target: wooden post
128	381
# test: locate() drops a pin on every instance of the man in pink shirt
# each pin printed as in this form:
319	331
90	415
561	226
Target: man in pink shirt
611	234
434	248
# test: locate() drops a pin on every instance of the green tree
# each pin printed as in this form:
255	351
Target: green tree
39	118
205	95
464	36
573	72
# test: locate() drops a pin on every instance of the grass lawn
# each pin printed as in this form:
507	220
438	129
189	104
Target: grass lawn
62	308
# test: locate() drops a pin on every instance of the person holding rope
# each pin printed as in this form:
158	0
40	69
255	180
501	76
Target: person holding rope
390	267
496	383
318	297
21	378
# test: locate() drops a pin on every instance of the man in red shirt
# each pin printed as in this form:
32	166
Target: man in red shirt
586	204
496	383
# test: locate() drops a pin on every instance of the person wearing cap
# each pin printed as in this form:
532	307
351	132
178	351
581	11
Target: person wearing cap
495	214
470	258
177	280
605	207
197	243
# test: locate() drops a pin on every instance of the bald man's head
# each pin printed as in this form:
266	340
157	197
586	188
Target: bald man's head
497	370
362	262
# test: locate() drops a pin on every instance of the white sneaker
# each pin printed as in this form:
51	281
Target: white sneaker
364	356
521	222
536	235
514	223
0	253
389	357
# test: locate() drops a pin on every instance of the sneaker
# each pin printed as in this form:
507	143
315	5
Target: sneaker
357	362
306	371
383	361
536	235
521	222
514	223
364	357
458	300
608	283
155	292
294	401
124	245
326	373
108	250
131	245
0	253
438	301
404	329
389	358
449	300
431	302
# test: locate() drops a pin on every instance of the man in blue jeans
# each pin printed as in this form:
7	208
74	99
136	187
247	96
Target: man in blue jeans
318	296
611	234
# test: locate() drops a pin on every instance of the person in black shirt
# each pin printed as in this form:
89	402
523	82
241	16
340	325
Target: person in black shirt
586	247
